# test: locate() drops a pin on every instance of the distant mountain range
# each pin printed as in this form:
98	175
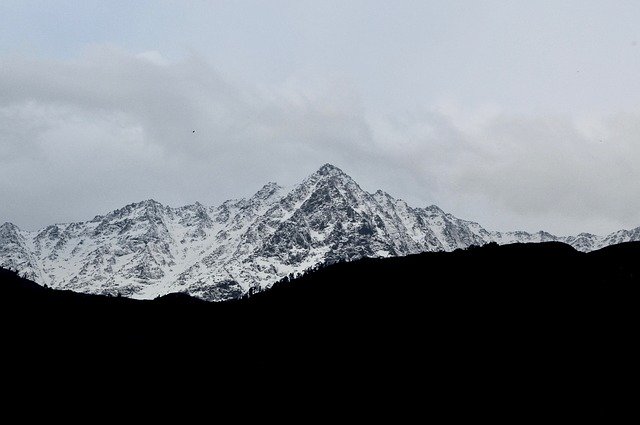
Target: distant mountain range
146	249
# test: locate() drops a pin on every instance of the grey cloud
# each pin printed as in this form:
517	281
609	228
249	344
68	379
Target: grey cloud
528	172
541	165
83	136
92	133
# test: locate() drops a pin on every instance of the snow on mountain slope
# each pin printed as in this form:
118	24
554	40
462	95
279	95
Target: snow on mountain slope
146	249
15	253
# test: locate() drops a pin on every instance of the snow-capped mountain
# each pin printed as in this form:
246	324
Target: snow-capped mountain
146	249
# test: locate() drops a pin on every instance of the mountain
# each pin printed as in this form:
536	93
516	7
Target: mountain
146	249
513	331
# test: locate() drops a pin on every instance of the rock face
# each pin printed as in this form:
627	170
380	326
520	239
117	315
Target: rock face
146	249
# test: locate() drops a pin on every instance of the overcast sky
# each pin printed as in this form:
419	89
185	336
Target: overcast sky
518	115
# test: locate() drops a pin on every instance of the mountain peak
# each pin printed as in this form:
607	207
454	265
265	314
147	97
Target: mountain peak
331	175
149	202
434	208
147	205
269	190
270	187
8	228
329	169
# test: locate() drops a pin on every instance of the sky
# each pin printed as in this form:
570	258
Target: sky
518	115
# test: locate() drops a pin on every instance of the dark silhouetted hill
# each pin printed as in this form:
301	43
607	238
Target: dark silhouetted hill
516	331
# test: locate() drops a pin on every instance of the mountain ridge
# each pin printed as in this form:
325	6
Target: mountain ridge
146	249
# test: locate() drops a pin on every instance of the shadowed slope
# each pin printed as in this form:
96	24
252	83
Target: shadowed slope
516	331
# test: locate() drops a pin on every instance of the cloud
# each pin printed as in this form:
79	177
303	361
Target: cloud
86	135
560	173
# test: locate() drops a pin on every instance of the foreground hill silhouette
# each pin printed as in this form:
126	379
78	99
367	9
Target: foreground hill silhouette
531	330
